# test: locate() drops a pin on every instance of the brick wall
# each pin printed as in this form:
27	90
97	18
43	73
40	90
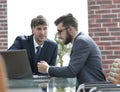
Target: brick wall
104	28
3	25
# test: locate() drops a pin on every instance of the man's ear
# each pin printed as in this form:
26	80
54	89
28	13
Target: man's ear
70	29
32	31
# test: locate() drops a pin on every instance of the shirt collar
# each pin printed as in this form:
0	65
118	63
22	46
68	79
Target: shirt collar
36	44
74	37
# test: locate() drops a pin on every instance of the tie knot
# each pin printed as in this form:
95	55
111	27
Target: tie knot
38	49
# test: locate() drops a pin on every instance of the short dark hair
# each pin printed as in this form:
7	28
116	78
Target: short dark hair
39	20
67	20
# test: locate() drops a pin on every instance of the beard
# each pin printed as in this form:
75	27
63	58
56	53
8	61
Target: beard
68	38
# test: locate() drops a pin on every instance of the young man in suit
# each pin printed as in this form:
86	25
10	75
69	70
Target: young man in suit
85	59
48	49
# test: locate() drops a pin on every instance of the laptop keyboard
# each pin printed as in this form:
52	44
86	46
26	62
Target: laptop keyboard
40	77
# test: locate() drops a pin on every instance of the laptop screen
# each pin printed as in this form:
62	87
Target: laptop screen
17	64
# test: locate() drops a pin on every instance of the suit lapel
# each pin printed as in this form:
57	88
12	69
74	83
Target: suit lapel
77	36
74	40
31	47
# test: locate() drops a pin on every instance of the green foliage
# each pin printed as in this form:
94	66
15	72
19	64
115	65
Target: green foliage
62	50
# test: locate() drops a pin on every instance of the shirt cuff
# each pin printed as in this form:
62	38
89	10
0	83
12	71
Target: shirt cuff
47	69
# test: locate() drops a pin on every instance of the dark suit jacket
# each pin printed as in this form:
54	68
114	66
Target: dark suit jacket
85	62
48	51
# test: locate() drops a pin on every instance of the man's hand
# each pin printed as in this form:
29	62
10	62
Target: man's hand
42	67
114	75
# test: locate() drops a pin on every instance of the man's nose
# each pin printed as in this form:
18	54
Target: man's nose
42	31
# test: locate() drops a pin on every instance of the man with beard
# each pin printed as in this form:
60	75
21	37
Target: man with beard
85	59
37	45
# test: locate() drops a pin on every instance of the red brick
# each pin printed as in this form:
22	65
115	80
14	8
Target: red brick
110	6
116	11
102	2
94	16
97	30
109	16
95	25
103	20
116	1
102	11
103	43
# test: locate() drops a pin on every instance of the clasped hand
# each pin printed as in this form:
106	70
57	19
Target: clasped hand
42	67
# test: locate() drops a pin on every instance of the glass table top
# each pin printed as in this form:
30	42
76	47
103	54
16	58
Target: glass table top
42	85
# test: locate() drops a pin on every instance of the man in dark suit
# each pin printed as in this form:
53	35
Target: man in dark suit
85	58
48	49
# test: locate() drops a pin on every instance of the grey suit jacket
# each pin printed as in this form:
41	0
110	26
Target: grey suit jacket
85	62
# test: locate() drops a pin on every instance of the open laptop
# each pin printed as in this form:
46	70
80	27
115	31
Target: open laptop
17	64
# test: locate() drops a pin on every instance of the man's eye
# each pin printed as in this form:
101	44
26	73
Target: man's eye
38	28
45	28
